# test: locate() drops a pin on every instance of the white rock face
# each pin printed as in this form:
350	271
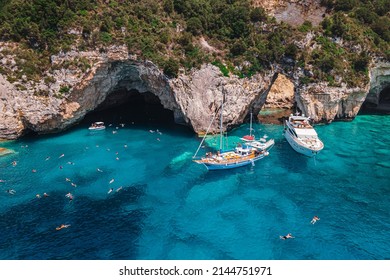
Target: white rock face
200	96
324	103
195	98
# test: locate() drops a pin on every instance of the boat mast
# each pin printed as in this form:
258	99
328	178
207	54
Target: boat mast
250	126
221	122
205	135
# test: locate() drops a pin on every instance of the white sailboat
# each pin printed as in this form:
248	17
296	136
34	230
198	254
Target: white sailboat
241	155
260	144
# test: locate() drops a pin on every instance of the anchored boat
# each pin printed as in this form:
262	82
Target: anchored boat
301	135
97	126
243	154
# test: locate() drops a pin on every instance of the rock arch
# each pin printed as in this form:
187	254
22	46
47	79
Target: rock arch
117	82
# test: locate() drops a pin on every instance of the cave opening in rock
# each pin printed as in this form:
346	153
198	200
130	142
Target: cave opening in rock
384	97
131	107
383	106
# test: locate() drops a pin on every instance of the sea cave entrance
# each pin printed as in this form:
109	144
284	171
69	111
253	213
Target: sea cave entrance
383	105
131	107
384	97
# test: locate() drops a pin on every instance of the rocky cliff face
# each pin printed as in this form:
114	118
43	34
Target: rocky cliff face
379	80
194	98
324	103
200	96
294	12
281	94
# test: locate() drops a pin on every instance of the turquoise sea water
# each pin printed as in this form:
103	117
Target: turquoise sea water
172	208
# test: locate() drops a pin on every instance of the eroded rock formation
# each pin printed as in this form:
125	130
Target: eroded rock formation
281	94
324	103
379	80
195	98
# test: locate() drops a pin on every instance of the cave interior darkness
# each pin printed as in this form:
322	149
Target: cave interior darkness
383	107
124	106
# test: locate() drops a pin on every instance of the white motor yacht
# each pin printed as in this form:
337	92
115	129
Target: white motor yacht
301	135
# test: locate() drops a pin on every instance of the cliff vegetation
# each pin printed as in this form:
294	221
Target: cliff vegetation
235	35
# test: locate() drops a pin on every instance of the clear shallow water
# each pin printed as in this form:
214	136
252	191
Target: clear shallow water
171	208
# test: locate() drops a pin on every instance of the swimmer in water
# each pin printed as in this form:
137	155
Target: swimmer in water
314	220
62	226
70	196
286	236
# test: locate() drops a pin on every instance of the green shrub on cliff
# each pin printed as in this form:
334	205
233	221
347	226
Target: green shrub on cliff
168	32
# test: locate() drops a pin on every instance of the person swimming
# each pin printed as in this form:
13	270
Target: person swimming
70	196
314	220
62	226
286	236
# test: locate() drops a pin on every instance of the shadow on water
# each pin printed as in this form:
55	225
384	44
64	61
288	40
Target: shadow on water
288	155
97	226
143	111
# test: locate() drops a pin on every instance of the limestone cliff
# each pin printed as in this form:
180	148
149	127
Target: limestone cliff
281	94
194	98
379	80
324	103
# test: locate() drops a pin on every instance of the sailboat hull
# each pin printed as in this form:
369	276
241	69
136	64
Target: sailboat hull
232	164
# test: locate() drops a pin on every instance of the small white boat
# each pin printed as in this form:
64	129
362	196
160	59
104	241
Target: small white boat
97	126
301	135
261	144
